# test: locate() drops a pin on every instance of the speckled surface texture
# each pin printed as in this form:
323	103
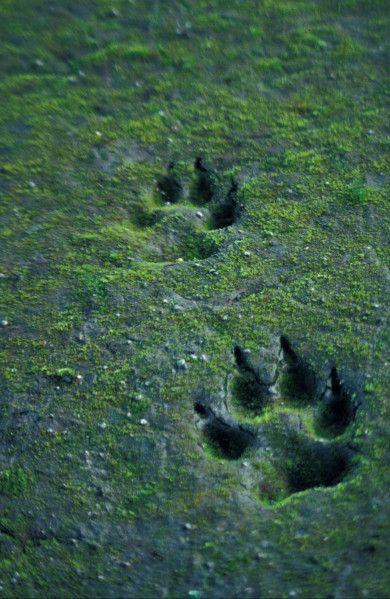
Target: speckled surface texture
194	359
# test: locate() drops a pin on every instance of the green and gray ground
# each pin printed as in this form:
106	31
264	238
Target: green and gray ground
144	451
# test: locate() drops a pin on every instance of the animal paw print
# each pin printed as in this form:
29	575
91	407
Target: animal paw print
288	429
177	222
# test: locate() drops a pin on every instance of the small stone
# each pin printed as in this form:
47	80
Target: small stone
4	323
144	422
128	414
98	133
39	62
199	214
188	526
103	425
247	253
79	377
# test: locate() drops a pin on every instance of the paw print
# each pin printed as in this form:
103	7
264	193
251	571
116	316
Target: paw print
288	428
176	221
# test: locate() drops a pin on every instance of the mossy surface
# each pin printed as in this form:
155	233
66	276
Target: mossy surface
107	485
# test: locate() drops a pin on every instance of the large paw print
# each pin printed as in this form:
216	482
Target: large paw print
288	429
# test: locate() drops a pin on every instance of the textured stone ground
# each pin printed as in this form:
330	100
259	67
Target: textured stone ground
194	360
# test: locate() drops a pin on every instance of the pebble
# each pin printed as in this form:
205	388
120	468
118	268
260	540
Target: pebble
128	414
32	184
199	214
103	425
4	323
143	422
247	253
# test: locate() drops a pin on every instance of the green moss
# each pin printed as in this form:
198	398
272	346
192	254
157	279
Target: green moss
15	481
290	98
116	50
